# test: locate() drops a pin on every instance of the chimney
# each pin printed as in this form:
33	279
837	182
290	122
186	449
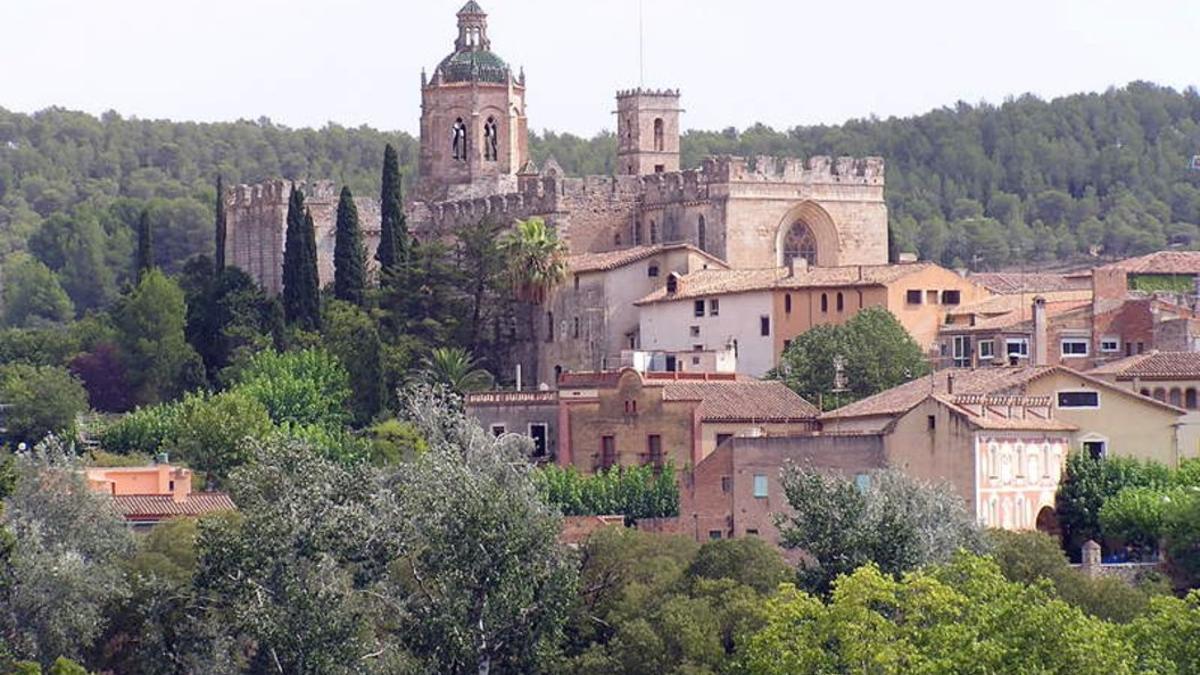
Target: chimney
799	266
181	485
1040	351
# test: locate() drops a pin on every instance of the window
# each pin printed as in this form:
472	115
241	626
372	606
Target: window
617	239
658	135
931	422
787	303
726	484
714	307
987	350
951	297
764	325
1079	399
637	234
760	485
1018	347
751	533
694	331
491	140
1141	347
537	432
701	234
961	351
459	140
608	451
722	438
576	282
549	326
171	486
654	449
841	302
931	297
652	271
800	244
1175	398
697	348
575	329
824	302
1073	347
653	232
862	481
672	284
695	360
1189	399
1110	345
698	308
913	297
1094	449
714	534
660	168
786	344
498	429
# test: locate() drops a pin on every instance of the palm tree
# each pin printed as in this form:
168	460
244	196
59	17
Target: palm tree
536	262
457	369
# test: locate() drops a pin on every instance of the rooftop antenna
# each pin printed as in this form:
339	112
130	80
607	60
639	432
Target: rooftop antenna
641	44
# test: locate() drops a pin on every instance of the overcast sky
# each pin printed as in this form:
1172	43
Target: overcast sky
781	62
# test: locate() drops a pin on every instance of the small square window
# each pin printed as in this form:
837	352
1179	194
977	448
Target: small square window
931	422
726	484
764	325
698	308
694	331
760	486
652	271
1016	347
987	350
498	429
722	438
913	297
714	307
862	481
1074	348
751	533
1110	345
695	360
951	297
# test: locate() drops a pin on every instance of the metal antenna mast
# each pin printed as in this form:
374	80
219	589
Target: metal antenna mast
641	44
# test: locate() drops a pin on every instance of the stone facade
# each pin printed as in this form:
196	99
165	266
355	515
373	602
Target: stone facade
474	164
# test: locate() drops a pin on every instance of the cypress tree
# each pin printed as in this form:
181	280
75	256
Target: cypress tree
349	266
221	233
301	303
145	249
393	230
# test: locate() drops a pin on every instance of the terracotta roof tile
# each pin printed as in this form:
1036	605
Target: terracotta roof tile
611	260
1016	320
156	507
1001	304
704	283
1161	262
1008	283
739	401
1178	365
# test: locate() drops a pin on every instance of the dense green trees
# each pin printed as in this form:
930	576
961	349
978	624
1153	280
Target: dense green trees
301	288
150	329
32	295
876	353
633	492
42	400
393	230
349	263
145	246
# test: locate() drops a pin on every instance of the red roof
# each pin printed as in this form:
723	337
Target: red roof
742	401
1156	365
611	260
1161	262
160	507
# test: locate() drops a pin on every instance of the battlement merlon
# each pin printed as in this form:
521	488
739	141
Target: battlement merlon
277	191
818	169
661	93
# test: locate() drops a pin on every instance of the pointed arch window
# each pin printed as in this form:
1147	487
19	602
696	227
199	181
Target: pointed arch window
491	140
458	140
653	232
701	234
658	135
800	243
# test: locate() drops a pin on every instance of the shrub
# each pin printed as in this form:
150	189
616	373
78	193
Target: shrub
146	430
304	387
634	492
1089	482
1134	516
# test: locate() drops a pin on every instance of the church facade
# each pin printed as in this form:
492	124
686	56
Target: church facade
474	163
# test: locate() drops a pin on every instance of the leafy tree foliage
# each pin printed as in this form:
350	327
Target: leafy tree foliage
65	569
102	372
454	368
962	616
877	352
1088	483
350	335
43	400
211	432
633	492
150	324
896	523
349	264
33	297
302	387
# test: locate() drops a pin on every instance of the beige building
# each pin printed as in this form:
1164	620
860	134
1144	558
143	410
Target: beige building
1001	435
1170	377
759	312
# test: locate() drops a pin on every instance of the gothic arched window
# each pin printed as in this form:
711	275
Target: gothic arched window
653	233
701	234
800	243
491	140
459	140
658	135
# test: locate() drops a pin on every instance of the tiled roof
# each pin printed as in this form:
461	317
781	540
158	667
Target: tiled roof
1008	283
995	380
611	260
1161	262
998	420
155	507
719	282
1015	320
741	401
1001	304
1179	365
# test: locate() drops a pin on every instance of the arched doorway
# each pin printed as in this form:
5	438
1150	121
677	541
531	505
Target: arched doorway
1047	521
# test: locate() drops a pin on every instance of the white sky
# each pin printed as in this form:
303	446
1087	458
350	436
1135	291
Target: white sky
781	62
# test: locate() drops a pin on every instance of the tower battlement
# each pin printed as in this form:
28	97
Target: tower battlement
639	91
818	169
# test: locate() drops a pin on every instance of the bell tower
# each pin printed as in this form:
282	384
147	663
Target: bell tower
474	135
647	131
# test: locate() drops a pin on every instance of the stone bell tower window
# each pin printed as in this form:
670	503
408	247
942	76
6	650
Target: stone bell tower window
491	140
459	140
658	135
701	234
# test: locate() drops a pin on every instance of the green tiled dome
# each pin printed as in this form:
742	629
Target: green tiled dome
474	66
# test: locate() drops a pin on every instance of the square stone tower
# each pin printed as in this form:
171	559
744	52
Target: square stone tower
647	131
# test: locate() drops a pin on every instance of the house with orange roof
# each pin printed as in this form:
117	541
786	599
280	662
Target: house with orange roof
588	321
759	312
1170	377
146	495
1001	435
